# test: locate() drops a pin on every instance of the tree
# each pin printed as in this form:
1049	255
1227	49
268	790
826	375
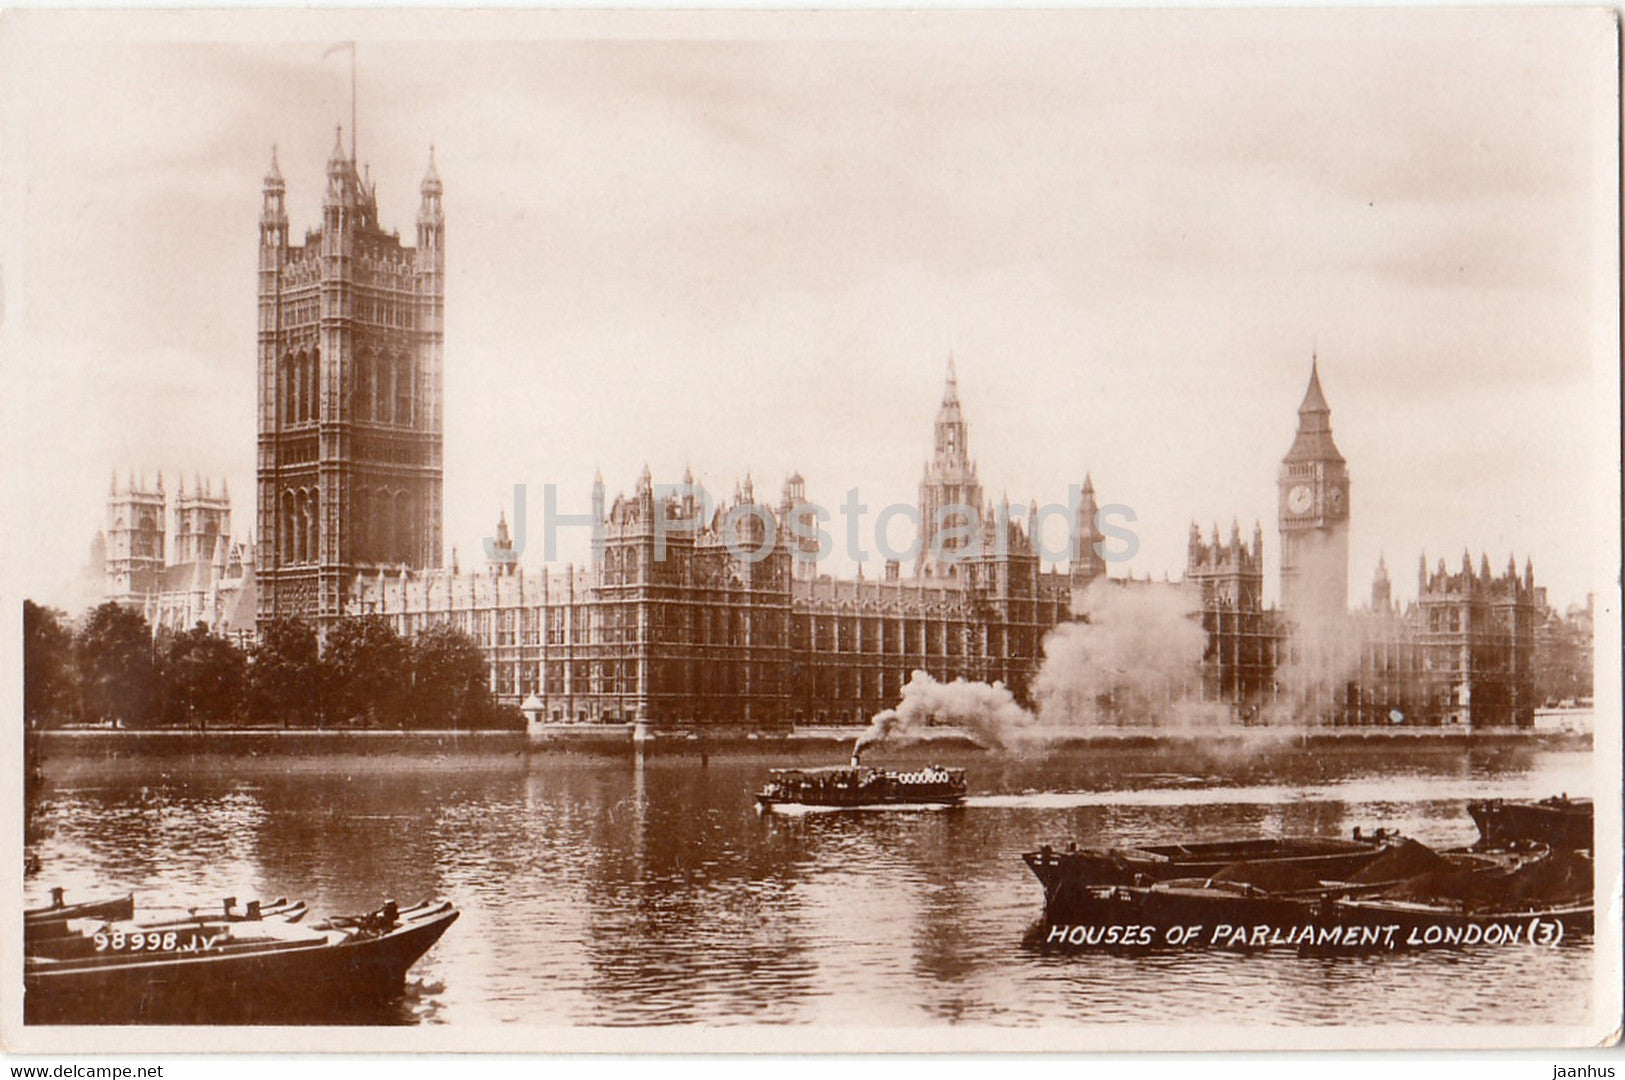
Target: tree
203	677
115	657
450	680
284	674
48	674
368	671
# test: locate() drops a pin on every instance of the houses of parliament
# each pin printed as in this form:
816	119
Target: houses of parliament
348	512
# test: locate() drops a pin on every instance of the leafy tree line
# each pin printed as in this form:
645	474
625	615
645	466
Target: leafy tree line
112	669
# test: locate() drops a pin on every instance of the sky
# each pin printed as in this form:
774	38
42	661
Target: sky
751	243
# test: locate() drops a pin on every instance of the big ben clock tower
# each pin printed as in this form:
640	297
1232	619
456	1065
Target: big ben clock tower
1314	514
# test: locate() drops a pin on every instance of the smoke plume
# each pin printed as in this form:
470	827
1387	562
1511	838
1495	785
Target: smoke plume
985	711
1321	654
1320	658
1135	661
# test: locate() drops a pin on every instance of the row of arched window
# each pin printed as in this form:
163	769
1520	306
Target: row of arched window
388	526
385	388
300	378
386	519
296	526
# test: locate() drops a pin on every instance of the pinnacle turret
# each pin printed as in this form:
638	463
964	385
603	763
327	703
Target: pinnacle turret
338	165
273	177
431	178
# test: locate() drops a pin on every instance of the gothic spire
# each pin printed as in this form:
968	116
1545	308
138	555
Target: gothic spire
431	178
273	177
1314	401
1313	441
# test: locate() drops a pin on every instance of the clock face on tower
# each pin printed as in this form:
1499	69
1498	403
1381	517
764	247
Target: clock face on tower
1299	499
1334	500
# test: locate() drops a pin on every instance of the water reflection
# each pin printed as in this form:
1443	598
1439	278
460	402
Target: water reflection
606	890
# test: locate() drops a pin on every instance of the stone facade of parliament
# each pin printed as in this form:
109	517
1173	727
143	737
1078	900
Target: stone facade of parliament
349	524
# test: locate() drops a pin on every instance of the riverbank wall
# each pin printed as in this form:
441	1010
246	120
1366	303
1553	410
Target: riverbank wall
837	742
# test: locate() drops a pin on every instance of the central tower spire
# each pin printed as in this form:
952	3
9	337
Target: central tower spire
950	493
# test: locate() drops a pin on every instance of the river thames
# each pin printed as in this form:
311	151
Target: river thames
600	889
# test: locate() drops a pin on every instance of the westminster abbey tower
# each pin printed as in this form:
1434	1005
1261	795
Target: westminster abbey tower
350	414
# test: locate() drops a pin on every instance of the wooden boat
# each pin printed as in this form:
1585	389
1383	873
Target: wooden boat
44	931
1422	924
1557	822
61	938
118	907
1539	898
1408	897
1068	875
218	970
1234	916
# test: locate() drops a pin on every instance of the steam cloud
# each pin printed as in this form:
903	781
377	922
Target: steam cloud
1135	661
986	711
1322	652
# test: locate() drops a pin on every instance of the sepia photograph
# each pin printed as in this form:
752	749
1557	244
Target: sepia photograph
811	531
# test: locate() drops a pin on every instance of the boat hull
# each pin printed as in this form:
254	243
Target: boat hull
119	907
1234	919
861	788
926	802
1444	924
303	982
1557	823
1071	879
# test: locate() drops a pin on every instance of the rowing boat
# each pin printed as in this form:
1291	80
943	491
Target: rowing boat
219	970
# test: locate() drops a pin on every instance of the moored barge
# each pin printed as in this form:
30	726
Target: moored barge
1403	895
1069	876
1557	822
227	970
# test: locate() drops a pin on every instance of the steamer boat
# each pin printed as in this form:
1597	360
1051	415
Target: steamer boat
859	787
